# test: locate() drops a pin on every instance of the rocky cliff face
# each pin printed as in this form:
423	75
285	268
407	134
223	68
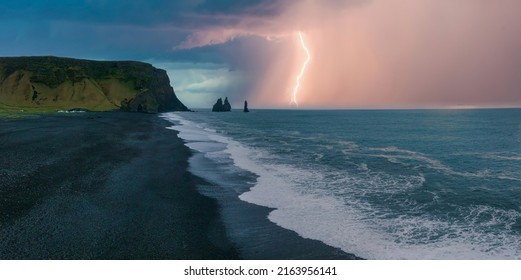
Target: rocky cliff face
53	83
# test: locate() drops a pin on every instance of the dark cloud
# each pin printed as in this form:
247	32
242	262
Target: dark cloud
408	53
138	12
137	29
234	6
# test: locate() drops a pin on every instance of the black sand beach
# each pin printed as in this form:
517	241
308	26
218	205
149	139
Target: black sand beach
102	186
117	186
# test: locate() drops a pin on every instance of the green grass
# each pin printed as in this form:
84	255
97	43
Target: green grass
50	84
11	113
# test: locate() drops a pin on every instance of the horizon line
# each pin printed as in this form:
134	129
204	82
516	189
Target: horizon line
371	108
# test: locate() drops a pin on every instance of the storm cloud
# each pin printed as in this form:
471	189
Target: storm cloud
365	54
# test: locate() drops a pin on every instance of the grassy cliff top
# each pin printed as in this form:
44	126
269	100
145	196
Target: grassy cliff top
53	71
48	83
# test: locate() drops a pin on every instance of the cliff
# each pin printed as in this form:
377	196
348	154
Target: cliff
54	83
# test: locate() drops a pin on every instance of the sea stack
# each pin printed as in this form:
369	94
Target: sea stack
227	107
246	106
219	106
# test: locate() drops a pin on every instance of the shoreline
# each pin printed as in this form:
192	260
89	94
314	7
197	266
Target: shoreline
102	186
248	225
115	185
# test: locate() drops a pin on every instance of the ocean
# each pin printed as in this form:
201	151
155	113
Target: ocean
379	184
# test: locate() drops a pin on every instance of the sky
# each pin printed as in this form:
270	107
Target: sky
362	53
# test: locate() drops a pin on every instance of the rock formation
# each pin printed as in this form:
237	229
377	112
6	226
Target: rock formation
226	107
219	106
246	106
53	83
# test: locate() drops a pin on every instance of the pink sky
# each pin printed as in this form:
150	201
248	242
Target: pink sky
379	54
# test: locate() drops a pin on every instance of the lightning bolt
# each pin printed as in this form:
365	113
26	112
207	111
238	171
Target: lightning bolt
302	70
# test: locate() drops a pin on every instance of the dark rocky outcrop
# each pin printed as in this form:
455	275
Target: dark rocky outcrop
219	106
53	83
226	106
246	107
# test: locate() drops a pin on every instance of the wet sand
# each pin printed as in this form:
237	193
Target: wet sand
102	186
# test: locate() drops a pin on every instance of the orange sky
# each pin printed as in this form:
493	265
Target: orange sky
364	53
380	54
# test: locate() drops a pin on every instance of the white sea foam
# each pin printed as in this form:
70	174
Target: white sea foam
394	154
401	156
72	111
505	177
502	157
205	147
350	145
304	200
363	167
489	216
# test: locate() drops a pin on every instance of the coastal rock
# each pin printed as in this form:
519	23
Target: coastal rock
53	83
219	106
246	107
227	107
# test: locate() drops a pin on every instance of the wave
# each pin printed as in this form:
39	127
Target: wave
502	157
331	205
405	157
72	111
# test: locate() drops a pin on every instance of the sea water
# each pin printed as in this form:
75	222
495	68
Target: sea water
381	184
